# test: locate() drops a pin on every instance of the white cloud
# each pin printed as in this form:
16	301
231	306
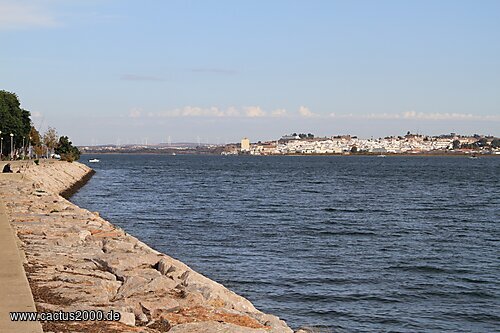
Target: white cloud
305	112
413	115
258	112
382	116
195	111
254	111
437	116
278	113
232	112
214	112
15	15
135	113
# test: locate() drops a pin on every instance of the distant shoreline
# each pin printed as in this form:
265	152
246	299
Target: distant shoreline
326	154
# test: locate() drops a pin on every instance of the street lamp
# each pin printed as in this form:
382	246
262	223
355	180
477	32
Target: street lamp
1	145
24	150
11	146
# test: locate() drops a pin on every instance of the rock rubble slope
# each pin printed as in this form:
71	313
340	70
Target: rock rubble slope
75	260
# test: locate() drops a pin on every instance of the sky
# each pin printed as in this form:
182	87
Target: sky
119	71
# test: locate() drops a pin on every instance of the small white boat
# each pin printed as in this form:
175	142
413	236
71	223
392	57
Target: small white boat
381	155
94	160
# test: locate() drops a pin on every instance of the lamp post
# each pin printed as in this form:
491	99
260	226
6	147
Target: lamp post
11	146
24	149
1	145
29	148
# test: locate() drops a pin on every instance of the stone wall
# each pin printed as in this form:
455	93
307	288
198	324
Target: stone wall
76	260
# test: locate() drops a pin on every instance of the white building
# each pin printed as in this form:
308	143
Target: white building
245	144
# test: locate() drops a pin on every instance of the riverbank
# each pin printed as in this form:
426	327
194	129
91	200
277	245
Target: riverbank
425	154
75	260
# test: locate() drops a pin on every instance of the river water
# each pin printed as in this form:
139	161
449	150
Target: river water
344	243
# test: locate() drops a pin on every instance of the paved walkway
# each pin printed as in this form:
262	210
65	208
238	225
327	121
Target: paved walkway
15	292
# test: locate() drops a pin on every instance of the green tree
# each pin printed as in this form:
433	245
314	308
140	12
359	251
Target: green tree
66	149
456	144
13	119
482	142
495	143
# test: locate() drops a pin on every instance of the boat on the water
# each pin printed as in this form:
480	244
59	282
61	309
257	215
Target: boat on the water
94	160
381	155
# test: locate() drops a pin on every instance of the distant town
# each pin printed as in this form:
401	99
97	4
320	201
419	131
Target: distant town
308	144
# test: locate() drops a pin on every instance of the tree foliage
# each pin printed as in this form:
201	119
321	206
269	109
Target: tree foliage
495	143
66	149
50	139
305	136
13	119
35	138
36	141
482	142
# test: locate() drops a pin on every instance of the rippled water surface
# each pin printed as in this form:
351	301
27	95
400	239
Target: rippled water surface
352	244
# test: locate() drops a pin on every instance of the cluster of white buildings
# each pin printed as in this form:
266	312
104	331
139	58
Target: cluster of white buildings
410	143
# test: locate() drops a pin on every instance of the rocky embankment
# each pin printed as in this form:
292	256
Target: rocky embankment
75	260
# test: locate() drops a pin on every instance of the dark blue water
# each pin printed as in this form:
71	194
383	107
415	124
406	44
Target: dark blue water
351	244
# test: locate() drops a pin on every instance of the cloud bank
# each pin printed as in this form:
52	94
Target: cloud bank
413	115
216	112
303	112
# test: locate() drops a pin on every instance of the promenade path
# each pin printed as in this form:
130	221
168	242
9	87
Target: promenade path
15	292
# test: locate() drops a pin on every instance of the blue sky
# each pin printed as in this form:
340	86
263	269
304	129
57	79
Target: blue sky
103	71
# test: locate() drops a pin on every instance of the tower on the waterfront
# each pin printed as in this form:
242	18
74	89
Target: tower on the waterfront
245	144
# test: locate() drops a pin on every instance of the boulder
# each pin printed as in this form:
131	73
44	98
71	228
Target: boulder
132	285
165	266
155	307
113	245
161	283
213	327
121	264
84	234
127	318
